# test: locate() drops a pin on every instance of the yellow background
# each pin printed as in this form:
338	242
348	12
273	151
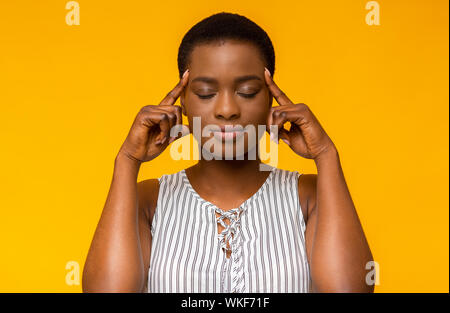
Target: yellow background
69	94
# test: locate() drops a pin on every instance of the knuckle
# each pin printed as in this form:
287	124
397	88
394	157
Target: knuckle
146	109
172	109
142	115
277	113
172	117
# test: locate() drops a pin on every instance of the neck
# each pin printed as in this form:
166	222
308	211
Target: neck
227	178
224	170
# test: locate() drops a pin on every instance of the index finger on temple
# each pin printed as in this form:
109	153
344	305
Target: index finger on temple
277	93
173	95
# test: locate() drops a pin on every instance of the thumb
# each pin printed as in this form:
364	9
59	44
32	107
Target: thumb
284	135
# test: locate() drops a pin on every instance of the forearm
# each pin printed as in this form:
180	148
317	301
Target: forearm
114	262
340	249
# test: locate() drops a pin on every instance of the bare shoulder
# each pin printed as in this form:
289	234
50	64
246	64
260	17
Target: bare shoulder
147	191
307	186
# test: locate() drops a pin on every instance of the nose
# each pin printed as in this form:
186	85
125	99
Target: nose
226	108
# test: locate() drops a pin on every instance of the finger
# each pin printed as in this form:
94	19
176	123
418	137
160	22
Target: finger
293	114
180	131
272	126
277	93
284	135
160	118
175	118
173	95
175	110
280	116
281	109
172	116
269	120
164	125
150	118
275	112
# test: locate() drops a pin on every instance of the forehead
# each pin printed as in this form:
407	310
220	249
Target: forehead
228	57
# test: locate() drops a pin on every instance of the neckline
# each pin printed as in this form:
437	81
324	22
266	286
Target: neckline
242	205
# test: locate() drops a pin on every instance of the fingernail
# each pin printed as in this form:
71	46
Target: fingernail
185	72
163	140
286	142
268	72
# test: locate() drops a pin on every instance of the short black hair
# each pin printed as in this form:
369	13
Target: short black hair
222	26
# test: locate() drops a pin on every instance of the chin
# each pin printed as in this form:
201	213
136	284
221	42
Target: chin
233	149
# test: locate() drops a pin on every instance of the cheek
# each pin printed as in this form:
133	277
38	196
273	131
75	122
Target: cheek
192	106
196	111
259	111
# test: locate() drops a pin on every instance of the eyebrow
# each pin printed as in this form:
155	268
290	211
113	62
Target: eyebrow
211	80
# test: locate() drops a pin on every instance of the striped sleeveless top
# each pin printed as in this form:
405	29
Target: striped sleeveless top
266	236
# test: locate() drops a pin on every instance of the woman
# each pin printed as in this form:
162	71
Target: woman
224	225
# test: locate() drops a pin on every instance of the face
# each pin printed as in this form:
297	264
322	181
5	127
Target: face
227	88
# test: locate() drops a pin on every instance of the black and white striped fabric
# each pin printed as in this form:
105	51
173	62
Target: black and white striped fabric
266	236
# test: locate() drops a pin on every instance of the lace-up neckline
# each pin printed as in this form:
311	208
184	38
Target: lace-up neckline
228	234
230	237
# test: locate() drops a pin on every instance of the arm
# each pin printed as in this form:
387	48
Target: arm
115	260
336	245
118	258
148	195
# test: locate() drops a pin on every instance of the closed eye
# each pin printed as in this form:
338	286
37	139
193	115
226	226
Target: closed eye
247	95
205	96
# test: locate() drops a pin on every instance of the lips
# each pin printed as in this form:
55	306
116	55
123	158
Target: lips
229	132
228	135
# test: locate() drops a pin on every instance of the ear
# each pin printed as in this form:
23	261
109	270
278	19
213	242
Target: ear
183	108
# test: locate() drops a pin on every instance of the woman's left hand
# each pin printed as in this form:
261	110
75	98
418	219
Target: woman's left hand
306	137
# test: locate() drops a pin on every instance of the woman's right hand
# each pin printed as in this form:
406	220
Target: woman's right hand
149	135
